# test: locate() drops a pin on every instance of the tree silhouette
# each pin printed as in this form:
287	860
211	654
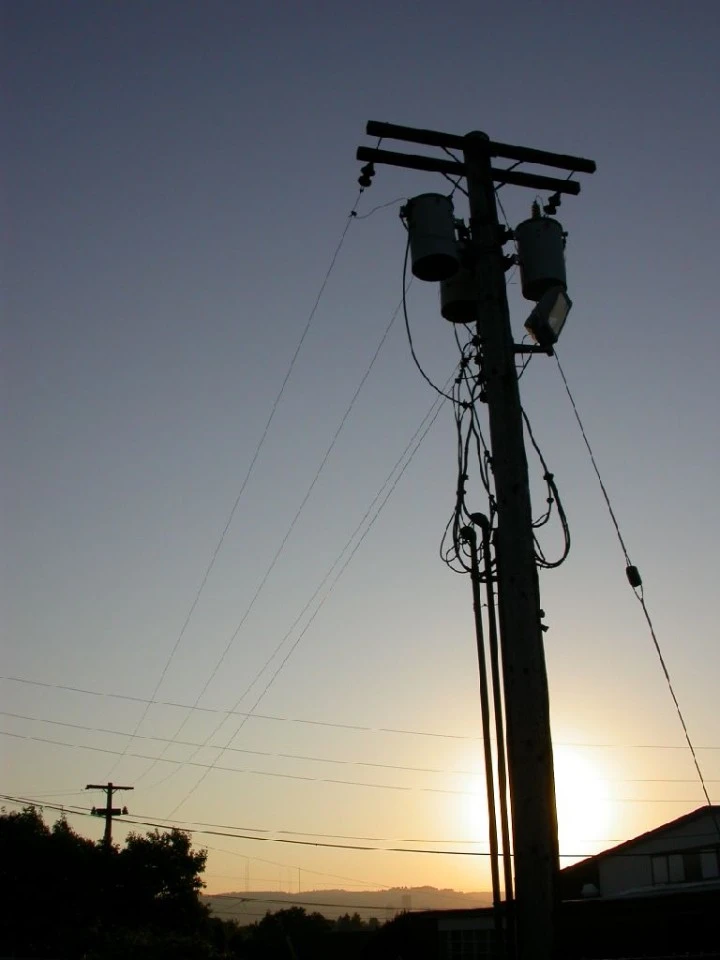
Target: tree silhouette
159	881
287	935
63	895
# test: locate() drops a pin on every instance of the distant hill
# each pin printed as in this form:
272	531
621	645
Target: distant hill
248	907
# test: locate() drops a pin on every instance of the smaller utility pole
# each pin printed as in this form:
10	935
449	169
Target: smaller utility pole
108	811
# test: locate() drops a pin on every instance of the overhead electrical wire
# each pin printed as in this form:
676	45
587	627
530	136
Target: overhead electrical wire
553	500
218	546
275	754
636	585
380	206
256	753
456	186
405	286
377	884
208	767
456	183
467	396
24	801
239	898
337	725
214	765
295	901
293	523
295	866
421	431
329	591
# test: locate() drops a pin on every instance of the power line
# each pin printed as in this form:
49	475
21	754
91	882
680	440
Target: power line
337	725
256	454
312	833
296	866
257	753
375	885
636	585
214	765
208	767
417	363
329	591
293	524
309	903
380	206
24	801
240	836
553	498
304	757
421	432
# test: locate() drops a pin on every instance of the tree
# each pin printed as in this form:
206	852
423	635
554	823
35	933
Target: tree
347	922
159	880
41	872
63	895
287	934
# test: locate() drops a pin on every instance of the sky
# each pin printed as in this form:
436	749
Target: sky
178	178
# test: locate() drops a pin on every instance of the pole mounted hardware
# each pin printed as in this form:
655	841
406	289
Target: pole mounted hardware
471	272
108	811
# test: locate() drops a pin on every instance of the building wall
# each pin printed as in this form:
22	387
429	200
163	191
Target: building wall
618	874
634	868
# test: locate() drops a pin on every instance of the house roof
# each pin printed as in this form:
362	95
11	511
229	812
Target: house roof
703	811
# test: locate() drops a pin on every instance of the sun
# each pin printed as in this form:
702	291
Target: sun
583	807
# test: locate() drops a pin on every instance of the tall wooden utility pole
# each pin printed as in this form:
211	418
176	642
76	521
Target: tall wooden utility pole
108	811
529	744
527	707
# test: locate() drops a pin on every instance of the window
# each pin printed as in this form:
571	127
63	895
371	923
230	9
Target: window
676	869
689	866
467	944
659	869
709	864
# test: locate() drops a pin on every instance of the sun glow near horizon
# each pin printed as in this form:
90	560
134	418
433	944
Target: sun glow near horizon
583	805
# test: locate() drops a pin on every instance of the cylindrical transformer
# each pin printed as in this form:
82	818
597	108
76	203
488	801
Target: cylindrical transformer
458	297
433	247
541	255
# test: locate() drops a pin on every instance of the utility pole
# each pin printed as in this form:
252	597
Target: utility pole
108	811
530	758
529	744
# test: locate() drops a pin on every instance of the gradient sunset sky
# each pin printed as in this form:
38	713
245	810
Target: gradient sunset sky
178	176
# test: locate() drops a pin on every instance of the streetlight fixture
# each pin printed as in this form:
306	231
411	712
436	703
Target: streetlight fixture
548	318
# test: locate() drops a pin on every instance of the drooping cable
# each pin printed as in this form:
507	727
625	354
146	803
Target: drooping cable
405	286
636	585
255	753
248	473
165	825
348	560
293	524
134	821
335	725
421	432
380	206
553	499
210	766
471	445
